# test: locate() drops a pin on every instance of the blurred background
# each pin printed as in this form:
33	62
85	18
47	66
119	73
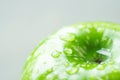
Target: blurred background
24	23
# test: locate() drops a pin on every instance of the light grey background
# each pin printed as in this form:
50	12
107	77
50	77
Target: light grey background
23	23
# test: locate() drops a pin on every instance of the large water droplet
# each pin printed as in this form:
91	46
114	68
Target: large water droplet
56	54
83	65
68	37
68	51
88	65
72	70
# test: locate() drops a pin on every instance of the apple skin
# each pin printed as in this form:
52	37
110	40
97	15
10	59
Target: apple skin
54	58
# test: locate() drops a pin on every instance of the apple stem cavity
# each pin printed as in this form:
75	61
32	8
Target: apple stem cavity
91	45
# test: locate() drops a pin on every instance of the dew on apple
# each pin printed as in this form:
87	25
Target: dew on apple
85	51
56	54
72	70
68	37
68	51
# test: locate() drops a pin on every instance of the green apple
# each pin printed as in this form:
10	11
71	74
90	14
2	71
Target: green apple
83	51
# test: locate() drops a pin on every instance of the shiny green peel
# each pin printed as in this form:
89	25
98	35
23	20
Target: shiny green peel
83	51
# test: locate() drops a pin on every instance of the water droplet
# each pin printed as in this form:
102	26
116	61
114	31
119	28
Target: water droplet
87	66
72	70
83	65
56	54
68	37
68	51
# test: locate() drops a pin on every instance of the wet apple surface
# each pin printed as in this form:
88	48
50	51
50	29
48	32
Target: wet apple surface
83	51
